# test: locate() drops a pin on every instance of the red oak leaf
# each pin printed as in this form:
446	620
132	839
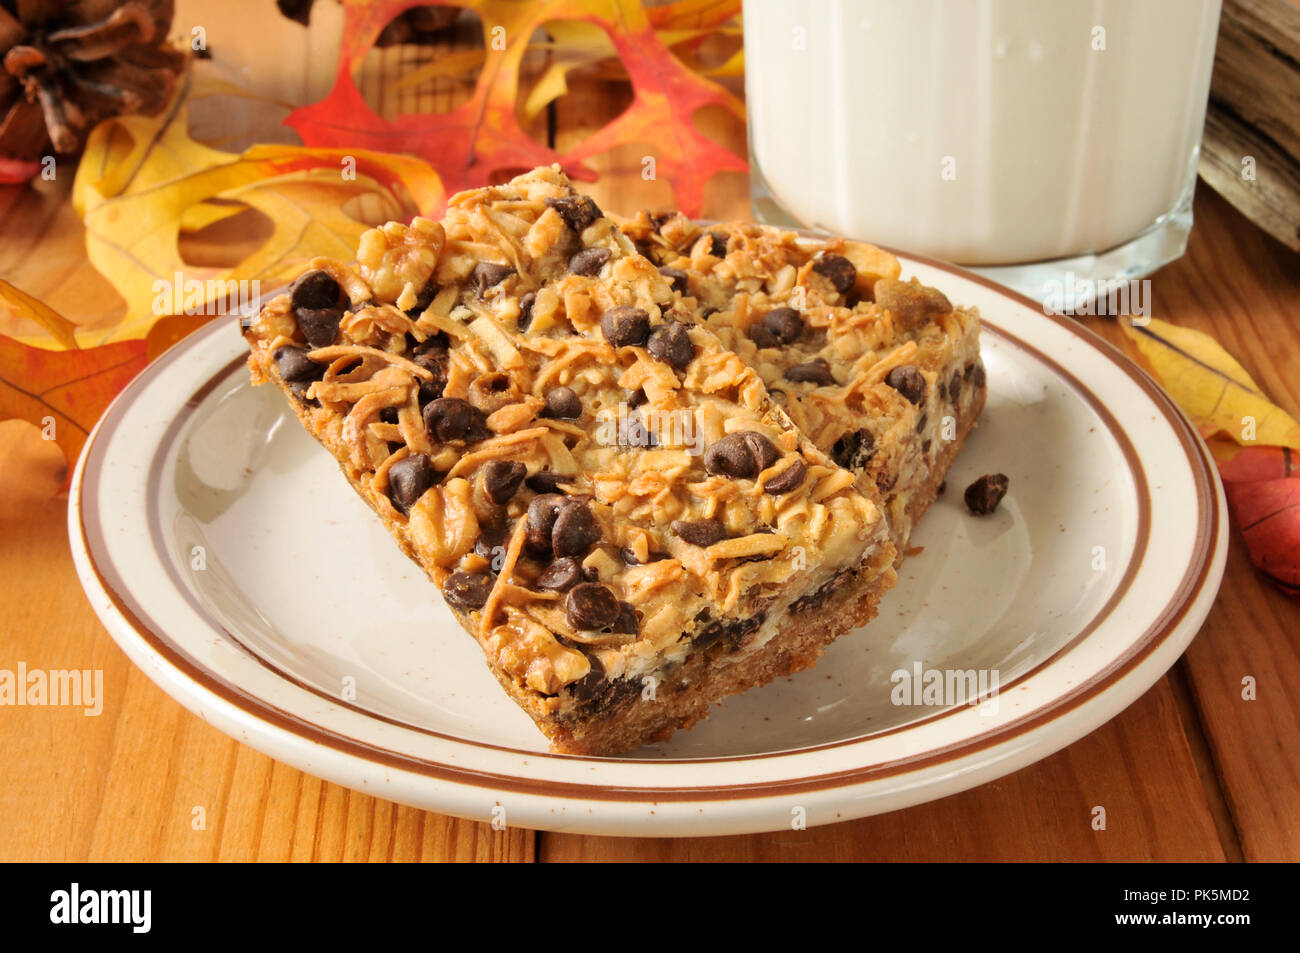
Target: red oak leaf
1268	514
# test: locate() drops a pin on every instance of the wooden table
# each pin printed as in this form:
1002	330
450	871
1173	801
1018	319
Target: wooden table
1191	771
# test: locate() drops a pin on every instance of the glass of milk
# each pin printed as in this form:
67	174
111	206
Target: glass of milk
1042	142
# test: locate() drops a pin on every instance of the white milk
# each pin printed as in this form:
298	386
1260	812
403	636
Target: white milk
980	131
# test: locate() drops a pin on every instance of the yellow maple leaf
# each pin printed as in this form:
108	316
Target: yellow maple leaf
1211	387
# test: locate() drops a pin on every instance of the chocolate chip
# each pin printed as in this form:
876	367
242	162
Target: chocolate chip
637	398
717	244
763	450
671	343
699	532
561	575
954	386
943	488
589	606
540	520
435	359
854	449
740	455
578	211
562	404
785	324
450	418
922	421
489	274
492	541
468	590
316	291
979	376
589	261
984	495
925	447
388	415
907	380
574	530
408	478
625	326
501	479
629	556
817	371
790	478
294	365
546	481
628	623
838	270
761	336
320	326
526	311
678	278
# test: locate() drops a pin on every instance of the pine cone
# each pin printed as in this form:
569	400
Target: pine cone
70	63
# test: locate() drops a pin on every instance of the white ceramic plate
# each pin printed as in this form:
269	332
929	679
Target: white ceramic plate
231	561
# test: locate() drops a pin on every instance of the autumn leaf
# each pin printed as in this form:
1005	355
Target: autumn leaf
482	137
1258	463
144	180
1268	514
21	305
64	392
1213	389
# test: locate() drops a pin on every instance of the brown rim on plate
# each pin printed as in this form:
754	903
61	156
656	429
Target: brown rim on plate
1166	621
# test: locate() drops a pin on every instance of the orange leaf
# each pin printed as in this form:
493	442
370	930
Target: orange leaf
481	137
1268	512
1259	463
64	392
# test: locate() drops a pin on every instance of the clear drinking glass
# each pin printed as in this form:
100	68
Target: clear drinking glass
1036	141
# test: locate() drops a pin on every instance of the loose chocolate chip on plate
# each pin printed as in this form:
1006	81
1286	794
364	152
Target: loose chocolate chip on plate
907	380
561	575
578	211
488	274
320	326
589	606
294	365
451	418
526	311
562	404
408	478
625	326
785	324
699	532
717	244
501	479
468	590
589	261
574	530
671	343
678	277
854	449
788	479
316	290
984	495
817	371
838	270
547	481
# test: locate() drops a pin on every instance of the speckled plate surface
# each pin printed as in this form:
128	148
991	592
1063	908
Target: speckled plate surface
231	561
